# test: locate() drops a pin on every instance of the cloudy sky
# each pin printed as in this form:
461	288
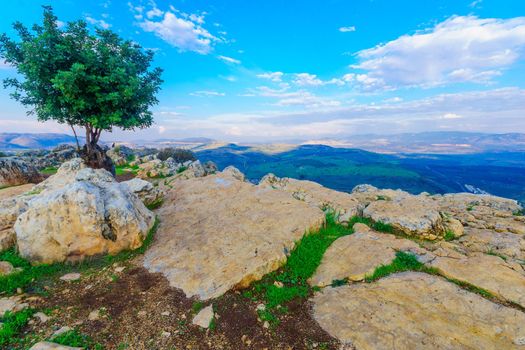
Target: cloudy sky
276	70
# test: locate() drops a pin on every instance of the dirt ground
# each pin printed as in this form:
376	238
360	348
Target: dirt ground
139	310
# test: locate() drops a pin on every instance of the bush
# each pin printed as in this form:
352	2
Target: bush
179	155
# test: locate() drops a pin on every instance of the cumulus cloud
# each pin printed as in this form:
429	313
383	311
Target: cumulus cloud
460	49
347	29
179	29
98	22
229	59
303	98
273	76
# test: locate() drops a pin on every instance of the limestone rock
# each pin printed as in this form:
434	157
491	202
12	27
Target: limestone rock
10	209
11	304
14	191
234	173
80	212
484	240
6	268
72	276
15	171
416	311
313	193
144	190
120	154
217	233
204	317
45	345
488	272
357	255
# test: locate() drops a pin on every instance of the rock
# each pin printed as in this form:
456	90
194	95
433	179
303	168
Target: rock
120	154
484	240
234	173
204	317
210	168
72	276
14	191
412	215
414	310
11	304
488	272
454	226
61	330
45	345
81	212
6	268
358	255
94	315
217	233
15	171
144	190
42	317
312	193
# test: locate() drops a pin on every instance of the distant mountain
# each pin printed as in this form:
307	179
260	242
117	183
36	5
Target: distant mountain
455	142
24	141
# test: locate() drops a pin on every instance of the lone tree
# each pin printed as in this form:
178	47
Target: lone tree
95	81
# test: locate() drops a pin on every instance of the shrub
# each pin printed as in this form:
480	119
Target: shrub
179	155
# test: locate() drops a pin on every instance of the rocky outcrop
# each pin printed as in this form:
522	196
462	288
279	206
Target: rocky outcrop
80	212
15	171
217	233
343	204
145	190
45	345
416	311
355	256
120	154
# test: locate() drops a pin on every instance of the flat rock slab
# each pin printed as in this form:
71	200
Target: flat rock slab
45	345
413	310
14	191
358	255
488	272
218	232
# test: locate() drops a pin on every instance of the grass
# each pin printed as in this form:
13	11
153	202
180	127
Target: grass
403	262
34	276
76	339
12	325
155	204
494	253
197	306
449	236
126	168
519	212
182	169
50	170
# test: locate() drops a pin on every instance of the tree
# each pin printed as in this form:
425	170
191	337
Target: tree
95	81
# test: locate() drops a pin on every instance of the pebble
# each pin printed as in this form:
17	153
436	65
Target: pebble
166	334
165	313
42	317
61	330
72	276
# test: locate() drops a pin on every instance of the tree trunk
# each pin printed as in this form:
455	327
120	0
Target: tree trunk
94	156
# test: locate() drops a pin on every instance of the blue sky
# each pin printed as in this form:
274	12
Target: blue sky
287	70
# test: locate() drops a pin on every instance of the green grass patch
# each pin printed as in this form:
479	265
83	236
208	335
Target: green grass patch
12	325
182	169
403	262
197	306
155	204
382	227
126	169
76	339
449	236
34	276
269	316
50	170
519	212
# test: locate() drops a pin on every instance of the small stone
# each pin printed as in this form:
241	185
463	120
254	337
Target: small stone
204	317
94	315
166	334
266	324
519	341
11	304
278	284
61	330
19	291
120	269
141	313
165	313
42	317
44	345
6	268
260	307
68	277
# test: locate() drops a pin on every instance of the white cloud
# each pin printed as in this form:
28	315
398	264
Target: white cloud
347	29
451	116
205	93
273	76
475	3
460	49
285	98
98	22
307	79
177	28
229	59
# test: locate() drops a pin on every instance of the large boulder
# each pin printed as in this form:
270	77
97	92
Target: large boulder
80	212
145	190
15	171
414	310
218	232
343	204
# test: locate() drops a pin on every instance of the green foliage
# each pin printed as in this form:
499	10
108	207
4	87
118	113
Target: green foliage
35	275
12	324
50	170
182	169
402	262
197	306
76	339
126	168
155	204
382	227
95	80
179	155
266	315
449	236
519	212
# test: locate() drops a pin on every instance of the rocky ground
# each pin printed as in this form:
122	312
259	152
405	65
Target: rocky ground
283	264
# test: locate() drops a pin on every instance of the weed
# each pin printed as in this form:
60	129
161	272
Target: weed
76	339
268	316
403	262
519	212
449	236
155	204
382	227
472	288
494	253
50	170
338	283
12	324
382	198
126	168
197	306
182	169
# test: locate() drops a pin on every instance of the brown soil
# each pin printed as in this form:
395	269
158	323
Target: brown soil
133	303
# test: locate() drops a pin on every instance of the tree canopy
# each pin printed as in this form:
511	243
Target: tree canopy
93	80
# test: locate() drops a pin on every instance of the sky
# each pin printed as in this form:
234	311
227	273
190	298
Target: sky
273	70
